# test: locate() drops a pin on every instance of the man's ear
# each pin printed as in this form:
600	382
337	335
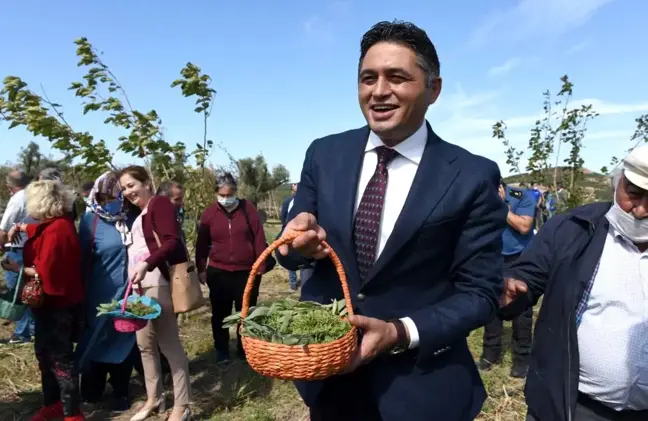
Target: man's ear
435	90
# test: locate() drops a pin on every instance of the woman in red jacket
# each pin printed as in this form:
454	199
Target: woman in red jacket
148	266
52	254
231	235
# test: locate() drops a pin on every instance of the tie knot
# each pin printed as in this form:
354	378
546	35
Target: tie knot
385	154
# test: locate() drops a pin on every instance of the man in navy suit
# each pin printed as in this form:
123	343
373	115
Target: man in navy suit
417	223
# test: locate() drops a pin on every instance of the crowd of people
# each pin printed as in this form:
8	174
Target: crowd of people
127	234
433	243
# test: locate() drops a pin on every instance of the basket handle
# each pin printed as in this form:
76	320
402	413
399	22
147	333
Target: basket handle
18	285
287	238
128	292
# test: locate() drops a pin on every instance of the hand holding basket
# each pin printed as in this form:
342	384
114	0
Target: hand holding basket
298	362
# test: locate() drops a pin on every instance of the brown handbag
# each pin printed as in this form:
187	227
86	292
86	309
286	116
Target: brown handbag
186	293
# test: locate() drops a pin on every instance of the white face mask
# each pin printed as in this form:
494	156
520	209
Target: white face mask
228	202
633	229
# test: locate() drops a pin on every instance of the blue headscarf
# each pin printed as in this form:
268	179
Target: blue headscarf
113	211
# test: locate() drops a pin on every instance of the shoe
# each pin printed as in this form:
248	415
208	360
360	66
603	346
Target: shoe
158	406
222	357
51	412
186	414
78	417
488	360
18	340
121	404
519	369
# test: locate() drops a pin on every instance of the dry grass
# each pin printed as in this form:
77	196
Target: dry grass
233	392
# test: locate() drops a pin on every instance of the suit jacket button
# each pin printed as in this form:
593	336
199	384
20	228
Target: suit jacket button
360	297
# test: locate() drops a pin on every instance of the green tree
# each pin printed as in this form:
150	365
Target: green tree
101	91
566	126
256	181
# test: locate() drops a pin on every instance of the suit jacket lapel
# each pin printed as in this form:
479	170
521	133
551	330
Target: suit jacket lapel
434	176
347	177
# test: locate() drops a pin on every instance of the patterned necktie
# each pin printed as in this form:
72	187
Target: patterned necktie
366	227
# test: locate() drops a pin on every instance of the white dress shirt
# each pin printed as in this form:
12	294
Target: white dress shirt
613	334
15	212
401	169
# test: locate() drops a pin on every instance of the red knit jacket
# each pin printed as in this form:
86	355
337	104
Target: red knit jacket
227	239
161	218
53	248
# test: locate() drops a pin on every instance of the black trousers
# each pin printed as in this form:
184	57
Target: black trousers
93	380
346	398
588	409
522	330
225	288
56	330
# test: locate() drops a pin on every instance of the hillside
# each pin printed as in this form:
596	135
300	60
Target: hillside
597	186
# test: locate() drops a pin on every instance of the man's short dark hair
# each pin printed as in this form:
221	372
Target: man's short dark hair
408	35
166	188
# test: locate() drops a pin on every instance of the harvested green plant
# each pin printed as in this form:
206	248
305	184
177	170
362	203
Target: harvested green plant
136	308
292	322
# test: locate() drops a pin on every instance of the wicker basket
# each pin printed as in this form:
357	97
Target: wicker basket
128	325
298	362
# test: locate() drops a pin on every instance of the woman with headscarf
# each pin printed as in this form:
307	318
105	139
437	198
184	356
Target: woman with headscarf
105	235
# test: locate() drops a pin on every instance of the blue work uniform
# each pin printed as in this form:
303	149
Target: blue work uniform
523	204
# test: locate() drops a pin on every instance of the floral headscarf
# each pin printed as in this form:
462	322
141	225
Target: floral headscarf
108	184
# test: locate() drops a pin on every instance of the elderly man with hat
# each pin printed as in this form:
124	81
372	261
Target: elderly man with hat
590	356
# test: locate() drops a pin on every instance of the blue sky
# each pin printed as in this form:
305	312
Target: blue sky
285	71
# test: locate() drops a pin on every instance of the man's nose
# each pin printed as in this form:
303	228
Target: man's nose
640	211
382	88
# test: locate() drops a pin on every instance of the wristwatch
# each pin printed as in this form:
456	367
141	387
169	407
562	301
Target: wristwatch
402	343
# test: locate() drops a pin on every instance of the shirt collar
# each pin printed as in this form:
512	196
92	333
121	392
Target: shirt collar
411	148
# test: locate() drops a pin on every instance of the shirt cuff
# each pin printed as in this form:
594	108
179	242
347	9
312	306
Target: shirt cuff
412	330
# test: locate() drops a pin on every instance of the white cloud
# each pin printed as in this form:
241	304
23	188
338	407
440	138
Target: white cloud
505	67
470	126
530	18
610	108
459	99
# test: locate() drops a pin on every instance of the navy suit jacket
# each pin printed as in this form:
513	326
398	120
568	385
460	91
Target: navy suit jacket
284	209
441	266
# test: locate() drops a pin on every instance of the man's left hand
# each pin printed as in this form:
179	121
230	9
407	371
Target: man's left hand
378	337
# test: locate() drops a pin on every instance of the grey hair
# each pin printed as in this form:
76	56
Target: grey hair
226	180
18	179
167	186
53	174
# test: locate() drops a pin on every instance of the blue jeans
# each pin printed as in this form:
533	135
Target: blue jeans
304	275
24	326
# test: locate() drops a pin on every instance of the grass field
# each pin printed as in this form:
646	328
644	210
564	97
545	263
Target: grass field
233	392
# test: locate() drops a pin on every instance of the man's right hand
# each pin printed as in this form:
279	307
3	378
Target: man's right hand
513	289
309	239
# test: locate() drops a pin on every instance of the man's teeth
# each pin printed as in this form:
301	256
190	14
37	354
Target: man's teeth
383	107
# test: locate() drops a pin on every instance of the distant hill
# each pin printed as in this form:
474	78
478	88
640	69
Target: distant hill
597	186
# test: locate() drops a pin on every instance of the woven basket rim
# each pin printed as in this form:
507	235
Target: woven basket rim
289	348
